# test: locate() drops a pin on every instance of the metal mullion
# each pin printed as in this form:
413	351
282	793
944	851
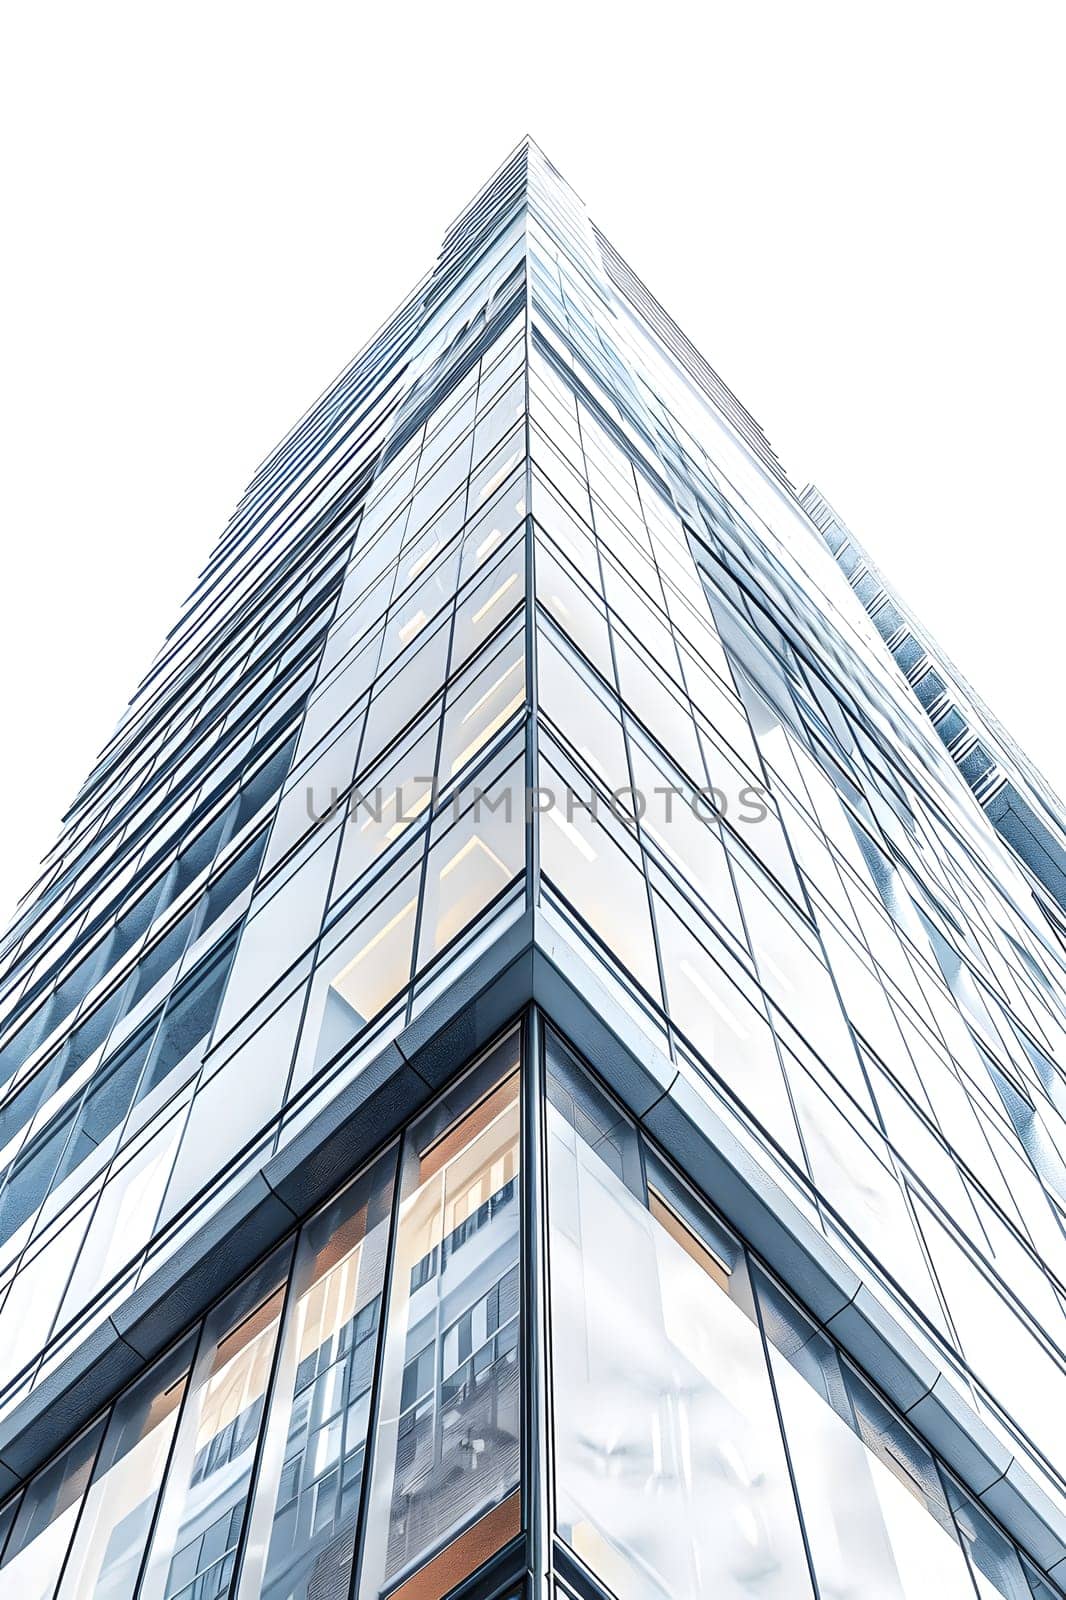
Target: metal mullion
536	1434
532	761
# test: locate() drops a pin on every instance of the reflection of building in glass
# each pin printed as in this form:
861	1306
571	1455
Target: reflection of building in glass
453	1454
528	1071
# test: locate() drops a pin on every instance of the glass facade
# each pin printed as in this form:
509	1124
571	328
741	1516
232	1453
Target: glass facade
349	1418
528	1070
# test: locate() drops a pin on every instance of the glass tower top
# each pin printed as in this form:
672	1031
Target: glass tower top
528	1070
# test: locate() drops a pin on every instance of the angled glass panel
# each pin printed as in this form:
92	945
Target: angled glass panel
45	1521
488	528
105	1559
202	1511
479	702
717	1007
472	859
576	610
485	604
366	965
302	1526
391	798
444	1485
493	472
671	1480
587	718
877	1530
592	861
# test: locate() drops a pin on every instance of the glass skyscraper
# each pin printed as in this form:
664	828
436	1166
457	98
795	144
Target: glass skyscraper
529	1071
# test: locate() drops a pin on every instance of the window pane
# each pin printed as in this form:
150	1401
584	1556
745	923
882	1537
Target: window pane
302	1528
396	700
484	606
671	1480
387	801
597	876
486	532
447	1445
124	1216
428	542
106	1557
33	1298
499	416
722	1022
373	964
856	1179
203	1504
364	963
33	1174
412	611
472	860
658	707
684	829
478	706
572	536
188	1020
870	1536
445	433
440	483
590	724
46	1517
573	608
492	473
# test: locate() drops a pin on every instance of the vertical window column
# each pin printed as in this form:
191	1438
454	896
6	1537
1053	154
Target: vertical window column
302	1527
444	1493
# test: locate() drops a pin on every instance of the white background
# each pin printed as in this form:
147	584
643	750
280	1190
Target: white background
854	210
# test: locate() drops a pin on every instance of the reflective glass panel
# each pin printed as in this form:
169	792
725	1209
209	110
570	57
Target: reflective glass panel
46	1518
472	860
202	1511
105	1560
301	1537
670	1472
444	1488
867	1514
